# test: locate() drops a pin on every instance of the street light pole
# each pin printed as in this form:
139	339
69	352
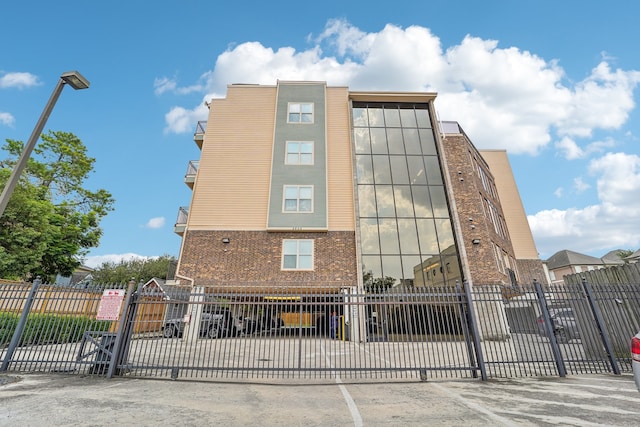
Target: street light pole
76	81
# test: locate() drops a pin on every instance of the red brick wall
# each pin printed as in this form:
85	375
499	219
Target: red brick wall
254	258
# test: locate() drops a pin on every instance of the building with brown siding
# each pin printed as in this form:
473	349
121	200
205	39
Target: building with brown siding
304	186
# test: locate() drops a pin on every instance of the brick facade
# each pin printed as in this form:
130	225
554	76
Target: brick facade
468	192
253	258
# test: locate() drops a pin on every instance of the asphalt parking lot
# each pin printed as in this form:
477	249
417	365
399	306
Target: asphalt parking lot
69	400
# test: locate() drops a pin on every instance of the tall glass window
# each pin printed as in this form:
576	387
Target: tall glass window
405	227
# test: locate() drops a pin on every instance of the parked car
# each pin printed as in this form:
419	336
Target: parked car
563	323
635	358
216	323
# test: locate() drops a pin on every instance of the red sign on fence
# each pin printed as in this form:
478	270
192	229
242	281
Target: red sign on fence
109	308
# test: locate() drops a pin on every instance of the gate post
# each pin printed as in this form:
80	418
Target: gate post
17	334
562	370
128	315
473	327
601	328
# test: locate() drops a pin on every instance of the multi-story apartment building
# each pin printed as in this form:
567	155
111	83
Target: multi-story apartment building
305	185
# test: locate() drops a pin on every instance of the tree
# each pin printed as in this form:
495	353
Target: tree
376	285
51	220
136	269
623	253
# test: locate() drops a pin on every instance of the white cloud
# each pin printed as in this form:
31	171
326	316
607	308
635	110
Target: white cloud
157	222
503	97
610	223
165	84
7	119
579	185
97	260
559	192
18	80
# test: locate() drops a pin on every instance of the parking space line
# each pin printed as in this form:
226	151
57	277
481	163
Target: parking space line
351	404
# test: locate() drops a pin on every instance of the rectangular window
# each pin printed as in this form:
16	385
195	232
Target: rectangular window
299	153
300	112
297	254
298	198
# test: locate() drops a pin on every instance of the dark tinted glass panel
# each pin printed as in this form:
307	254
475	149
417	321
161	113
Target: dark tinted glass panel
422	202
434	177
366	201
381	170
394	138
411	141
361	140
378	141
411	268
376	119
423	118
417	175
360	117
391	267
364	169
404	206
438	202
399	172
408	118
427	236
369	236
388	236
384	197
392	117
372	266
427	141
408	236
445	234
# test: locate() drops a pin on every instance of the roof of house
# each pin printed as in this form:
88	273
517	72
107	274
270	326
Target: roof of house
634	256
612	258
566	257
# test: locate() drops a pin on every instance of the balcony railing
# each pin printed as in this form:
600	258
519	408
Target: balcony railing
198	136
192	170
181	221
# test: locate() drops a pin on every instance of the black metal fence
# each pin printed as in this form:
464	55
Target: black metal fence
276	332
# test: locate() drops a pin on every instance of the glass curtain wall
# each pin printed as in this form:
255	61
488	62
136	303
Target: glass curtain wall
406	234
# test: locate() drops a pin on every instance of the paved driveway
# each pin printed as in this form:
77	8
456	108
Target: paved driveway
57	400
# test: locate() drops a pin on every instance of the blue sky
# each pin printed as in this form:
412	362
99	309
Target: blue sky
553	82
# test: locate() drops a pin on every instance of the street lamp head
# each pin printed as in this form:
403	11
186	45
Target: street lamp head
75	80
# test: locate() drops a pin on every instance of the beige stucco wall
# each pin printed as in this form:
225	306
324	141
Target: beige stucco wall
231	191
232	187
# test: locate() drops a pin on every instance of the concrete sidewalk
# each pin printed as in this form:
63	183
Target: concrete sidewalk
69	400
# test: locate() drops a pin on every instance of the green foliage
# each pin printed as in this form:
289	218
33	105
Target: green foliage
377	285
136	269
623	253
48	328
51	220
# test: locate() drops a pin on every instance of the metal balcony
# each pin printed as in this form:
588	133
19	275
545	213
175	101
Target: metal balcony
181	221
198	136
192	170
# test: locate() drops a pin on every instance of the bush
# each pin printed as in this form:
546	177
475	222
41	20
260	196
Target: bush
49	328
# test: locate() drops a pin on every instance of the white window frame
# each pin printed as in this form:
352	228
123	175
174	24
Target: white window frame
298	153
297	109
297	199
288	255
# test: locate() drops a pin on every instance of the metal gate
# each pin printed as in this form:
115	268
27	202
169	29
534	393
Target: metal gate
305	334
482	331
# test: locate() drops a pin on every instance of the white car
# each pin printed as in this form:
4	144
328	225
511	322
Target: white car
635	358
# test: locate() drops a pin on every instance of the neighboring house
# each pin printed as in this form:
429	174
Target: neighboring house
309	186
634	257
612	258
81	274
567	262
